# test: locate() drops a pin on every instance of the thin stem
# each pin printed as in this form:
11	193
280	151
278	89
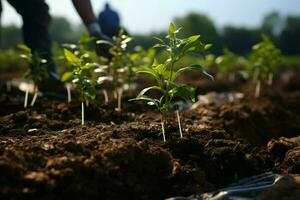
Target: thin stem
257	89
270	79
34	96
105	97
115	94
26	98
119	92
82	113
82	106
69	93
163	130
255	75
164	125
172	68
179	123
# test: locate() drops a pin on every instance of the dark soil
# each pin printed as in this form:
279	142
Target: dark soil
45	152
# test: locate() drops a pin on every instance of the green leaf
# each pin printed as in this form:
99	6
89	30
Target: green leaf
24	48
193	45
90	90
159	46
207	46
71	57
160	40
66	76
193	38
172	29
149	100
186	92
26	75
127	40
160	68
142	93
192	67
148	70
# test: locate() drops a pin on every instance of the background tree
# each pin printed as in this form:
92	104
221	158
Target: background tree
272	24
197	23
289	39
62	31
240	40
11	36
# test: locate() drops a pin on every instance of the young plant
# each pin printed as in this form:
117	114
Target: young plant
120	67
265	58
165	73
228	64
82	76
36	73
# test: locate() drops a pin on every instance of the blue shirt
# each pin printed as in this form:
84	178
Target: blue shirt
109	22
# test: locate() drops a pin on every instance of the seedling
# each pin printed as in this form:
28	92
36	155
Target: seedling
82	76
165	73
37	71
265	58
228	64
120	67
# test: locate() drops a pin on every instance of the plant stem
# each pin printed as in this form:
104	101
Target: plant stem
34	96
105	97
255	75
26	98
82	106
179	123
270	79
163	131
115	94
257	89
164	125
172	68
82	113
69	93
119	93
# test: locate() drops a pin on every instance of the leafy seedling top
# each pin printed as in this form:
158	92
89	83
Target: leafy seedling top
265	58
120	66
82	74
166	74
37	70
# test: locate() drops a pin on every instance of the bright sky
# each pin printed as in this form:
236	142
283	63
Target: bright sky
141	16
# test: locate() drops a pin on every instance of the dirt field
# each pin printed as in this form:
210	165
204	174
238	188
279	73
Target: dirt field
45	152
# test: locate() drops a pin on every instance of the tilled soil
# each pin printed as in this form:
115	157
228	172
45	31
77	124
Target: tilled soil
45	152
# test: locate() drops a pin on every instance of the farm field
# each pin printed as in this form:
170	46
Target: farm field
92	147
45	150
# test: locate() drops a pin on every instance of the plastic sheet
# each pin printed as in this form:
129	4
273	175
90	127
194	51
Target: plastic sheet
244	189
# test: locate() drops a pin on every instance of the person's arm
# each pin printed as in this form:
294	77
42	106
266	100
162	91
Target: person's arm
85	10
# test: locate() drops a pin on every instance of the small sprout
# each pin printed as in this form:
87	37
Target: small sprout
228	64
120	68
37	70
265	58
165	73
82	76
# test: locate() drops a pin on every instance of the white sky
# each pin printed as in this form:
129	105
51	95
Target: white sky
141	16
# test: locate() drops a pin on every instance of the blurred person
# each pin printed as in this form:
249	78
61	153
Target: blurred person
36	22
109	21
